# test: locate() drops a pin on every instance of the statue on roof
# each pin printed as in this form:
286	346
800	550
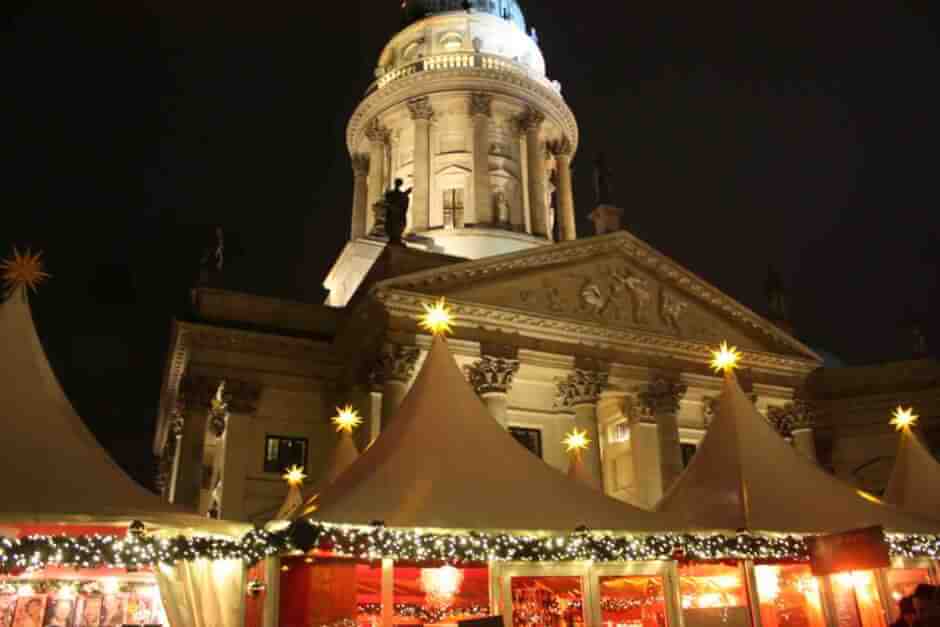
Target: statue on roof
776	294
603	185
396	212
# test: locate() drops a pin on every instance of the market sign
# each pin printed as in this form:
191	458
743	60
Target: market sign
861	549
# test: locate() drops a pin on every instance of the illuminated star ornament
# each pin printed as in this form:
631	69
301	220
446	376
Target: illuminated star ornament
437	318
22	270
726	358
346	419
294	476
576	441
903	419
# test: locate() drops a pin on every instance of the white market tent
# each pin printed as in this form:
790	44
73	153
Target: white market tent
53	470
914	484
745	476
444	462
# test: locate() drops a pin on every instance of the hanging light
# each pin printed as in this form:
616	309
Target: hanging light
441	584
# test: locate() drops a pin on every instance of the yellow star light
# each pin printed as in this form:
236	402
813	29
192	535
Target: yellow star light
346	419
437	318
726	358
903	419
22	269
576	441
294	476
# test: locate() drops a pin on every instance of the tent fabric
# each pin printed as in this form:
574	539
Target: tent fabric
444	461
914	484
53	468
745	476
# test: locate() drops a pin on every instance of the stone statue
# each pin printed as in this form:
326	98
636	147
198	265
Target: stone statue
603	186
396	212
502	207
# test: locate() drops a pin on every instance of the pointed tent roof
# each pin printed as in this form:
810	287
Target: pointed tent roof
444	462
53	468
915	480
745	476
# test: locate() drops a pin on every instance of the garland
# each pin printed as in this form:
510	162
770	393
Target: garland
374	542
424	614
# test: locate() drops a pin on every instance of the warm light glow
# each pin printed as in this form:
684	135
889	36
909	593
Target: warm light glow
294	476
860	581
346	419
903	419
871	498
437	318
22	270
576	441
441	584
768	583
726	358
110	585
68	591
25	590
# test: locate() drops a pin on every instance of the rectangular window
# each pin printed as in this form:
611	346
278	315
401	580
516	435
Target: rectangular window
453	208
619	432
688	452
529	438
282	452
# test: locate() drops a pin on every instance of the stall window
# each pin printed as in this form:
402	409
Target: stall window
713	595
789	595
903	581
636	600
547	601
529	438
282	452
856	600
440	594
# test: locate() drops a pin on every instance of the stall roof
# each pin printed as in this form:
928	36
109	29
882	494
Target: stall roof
915	480
52	468
444	462
745	476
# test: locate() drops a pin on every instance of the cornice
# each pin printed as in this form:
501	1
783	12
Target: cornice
469	80
804	361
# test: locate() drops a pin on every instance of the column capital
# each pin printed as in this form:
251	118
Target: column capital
661	396
560	147
481	104
582	387
201	392
420	108
491	375
360	164
530	119
795	416
376	133
396	363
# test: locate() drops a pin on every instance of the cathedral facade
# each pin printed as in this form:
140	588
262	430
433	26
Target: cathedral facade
554	330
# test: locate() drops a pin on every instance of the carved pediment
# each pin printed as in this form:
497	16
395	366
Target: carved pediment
613	281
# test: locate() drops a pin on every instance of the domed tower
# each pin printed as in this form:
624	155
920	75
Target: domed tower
462	111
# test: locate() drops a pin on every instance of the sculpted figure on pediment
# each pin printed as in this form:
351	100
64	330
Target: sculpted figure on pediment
672	309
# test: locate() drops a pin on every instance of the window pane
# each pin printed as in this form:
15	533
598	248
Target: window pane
713	595
444	594
789	596
634	601
547	602
529	438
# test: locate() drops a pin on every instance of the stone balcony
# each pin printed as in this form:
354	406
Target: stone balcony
459	60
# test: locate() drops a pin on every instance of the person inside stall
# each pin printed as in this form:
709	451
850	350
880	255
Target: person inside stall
926	600
908	615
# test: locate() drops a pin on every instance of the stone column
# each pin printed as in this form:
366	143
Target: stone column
192	451
660	399
397	365
581	390
378	137
480	112
644	447
520	218
531	123
491	377
562	149
360	208
420	209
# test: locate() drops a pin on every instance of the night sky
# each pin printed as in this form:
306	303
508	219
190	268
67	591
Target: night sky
803	136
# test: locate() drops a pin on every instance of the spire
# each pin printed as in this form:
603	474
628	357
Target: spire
745	476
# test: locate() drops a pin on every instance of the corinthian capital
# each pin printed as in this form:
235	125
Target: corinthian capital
481	104
492	374
200	392
794	416
360	164
420	108
580	388
377	133
560	147
397	362
530	119
662	396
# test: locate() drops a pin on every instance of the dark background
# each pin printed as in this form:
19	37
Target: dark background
799	134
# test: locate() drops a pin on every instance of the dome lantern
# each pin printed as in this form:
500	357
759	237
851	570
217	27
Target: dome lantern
507	9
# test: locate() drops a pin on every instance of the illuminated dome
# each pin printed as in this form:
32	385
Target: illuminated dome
506	9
